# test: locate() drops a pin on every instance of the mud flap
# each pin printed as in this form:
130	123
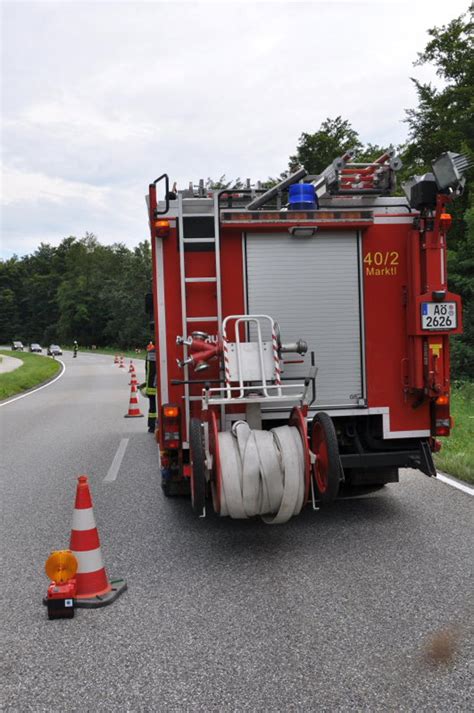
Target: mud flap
427	465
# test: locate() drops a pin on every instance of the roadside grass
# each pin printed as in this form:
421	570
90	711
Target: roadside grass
35	370
127	353
457	454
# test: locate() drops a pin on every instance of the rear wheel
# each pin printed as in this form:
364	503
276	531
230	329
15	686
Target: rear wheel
198	467
327	469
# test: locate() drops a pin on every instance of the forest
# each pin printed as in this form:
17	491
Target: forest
84	290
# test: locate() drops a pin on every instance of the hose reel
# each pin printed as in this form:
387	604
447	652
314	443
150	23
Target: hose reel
263	473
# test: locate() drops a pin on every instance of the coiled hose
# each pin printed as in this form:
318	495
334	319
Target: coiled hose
262	473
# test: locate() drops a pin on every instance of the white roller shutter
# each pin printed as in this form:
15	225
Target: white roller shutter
311	287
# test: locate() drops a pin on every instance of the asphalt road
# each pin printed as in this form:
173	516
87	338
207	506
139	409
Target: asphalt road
334	611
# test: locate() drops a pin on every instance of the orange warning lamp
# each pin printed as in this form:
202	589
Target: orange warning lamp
162	228
61	566
445	220
171	411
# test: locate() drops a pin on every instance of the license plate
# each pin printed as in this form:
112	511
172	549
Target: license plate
438	315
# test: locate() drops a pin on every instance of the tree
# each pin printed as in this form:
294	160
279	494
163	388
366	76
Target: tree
442	121
318	150
221	183
79	290
443	118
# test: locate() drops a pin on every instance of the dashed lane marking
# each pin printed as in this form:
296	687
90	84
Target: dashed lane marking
117	461
33	391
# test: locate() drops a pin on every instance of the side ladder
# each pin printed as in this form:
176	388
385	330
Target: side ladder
185	280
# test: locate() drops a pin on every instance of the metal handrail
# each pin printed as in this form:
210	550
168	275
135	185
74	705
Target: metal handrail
167	190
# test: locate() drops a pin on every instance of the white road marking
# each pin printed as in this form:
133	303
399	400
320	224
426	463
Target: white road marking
117	461
454	483
33	391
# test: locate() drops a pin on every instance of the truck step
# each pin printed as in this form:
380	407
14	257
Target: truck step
202	319
200	279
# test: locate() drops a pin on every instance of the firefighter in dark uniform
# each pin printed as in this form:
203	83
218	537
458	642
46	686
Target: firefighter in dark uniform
150	386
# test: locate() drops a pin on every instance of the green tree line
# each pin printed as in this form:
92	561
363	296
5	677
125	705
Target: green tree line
78	290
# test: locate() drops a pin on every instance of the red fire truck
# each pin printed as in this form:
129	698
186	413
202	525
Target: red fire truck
302	334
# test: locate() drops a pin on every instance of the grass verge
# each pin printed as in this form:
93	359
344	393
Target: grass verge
35	370
457	454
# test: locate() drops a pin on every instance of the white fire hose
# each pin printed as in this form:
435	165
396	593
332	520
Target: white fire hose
262	473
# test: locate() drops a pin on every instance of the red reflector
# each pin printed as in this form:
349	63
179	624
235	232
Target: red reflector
442	400
442	431
437	445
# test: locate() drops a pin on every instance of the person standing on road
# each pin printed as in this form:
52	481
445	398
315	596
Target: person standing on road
75	348
150	386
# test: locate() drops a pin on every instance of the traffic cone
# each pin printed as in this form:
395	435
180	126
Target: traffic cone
93	586
121	365
133	379
133	408
131	367
116	359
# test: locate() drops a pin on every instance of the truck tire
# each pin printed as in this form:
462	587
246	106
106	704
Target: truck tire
327	469
198	467
166	488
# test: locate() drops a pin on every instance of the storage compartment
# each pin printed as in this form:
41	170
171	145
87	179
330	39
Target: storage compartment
311	286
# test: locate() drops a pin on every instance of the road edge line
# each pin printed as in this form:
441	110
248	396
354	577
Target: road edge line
36	388
454	483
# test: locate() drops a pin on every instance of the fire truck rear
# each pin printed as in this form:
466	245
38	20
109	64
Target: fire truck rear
302	334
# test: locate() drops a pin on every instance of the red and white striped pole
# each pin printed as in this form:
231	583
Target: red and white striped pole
225	350
276	360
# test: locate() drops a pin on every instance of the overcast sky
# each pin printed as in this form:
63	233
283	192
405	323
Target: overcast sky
99	98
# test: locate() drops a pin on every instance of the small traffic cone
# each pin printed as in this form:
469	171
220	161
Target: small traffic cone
93	586
133	379
116	359
121	365
131	367
133	408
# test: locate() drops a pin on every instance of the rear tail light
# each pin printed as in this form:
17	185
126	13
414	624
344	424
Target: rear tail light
443	426
171	426
442	419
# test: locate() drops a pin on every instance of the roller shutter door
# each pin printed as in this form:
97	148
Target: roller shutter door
311	287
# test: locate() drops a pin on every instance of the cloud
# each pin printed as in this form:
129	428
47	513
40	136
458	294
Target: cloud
105	96
72	115
20	187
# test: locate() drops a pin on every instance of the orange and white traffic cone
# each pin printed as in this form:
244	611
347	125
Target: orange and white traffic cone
133	408
116	359
131	367
133	379
93	586
121	365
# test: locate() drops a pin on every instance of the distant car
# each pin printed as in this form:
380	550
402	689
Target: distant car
35	348
17	346
54	350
